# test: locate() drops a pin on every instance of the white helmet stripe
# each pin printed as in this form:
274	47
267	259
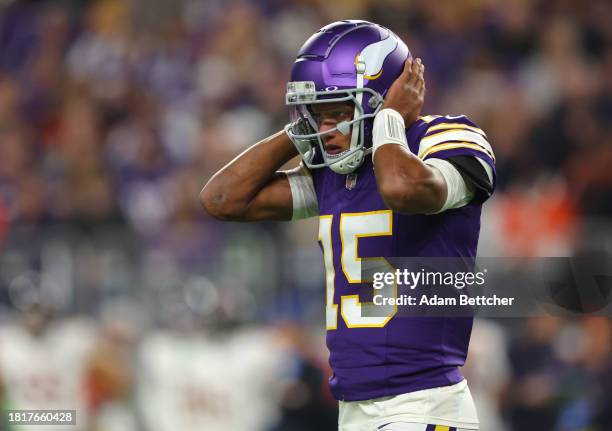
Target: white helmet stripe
361	68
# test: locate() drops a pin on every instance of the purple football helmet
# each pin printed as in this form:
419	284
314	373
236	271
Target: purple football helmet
351	60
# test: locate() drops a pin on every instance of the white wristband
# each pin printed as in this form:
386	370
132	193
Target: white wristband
303	195
389	128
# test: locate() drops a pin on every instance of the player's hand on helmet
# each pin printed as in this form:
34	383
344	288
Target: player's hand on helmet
407	93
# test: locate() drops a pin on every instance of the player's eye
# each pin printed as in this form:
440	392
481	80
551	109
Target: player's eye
337	115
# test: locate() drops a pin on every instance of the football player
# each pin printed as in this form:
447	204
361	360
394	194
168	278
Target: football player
384	181
204	371
44	362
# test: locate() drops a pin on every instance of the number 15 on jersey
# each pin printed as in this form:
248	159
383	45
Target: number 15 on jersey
352	226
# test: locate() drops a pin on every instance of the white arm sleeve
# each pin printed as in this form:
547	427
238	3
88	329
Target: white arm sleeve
305	202
459	193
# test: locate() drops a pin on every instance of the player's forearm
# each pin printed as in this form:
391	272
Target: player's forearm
229	192
405	183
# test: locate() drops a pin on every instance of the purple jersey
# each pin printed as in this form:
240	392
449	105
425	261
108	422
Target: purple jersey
373	357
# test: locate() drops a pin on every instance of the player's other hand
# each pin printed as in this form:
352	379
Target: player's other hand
407	93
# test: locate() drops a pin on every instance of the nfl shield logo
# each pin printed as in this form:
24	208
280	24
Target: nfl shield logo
351	181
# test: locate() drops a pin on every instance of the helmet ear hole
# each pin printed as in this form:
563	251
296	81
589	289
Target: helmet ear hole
375	101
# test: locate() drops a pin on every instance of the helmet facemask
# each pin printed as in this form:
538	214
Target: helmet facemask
304	130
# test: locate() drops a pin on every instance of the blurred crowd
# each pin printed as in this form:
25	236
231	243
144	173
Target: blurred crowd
113	114
117	111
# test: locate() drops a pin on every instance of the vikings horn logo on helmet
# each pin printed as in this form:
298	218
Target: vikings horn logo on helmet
374	56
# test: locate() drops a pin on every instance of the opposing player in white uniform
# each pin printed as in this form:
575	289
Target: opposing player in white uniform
43	366
202	382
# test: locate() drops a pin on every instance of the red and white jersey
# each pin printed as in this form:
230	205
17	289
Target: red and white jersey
47	371
195	382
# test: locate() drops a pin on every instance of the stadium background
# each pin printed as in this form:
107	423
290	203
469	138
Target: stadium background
113	114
